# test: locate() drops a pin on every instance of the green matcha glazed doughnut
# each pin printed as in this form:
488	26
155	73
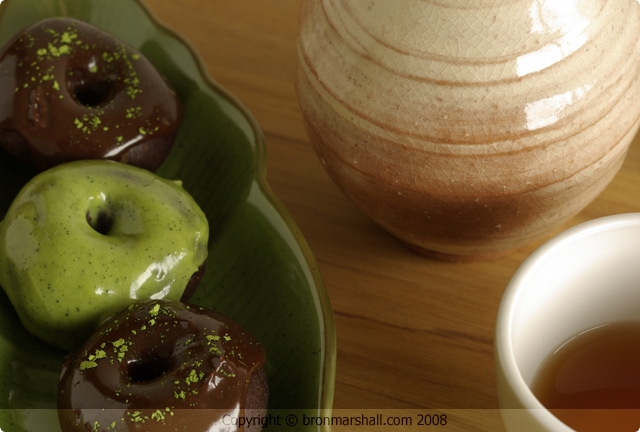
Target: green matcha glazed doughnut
84	240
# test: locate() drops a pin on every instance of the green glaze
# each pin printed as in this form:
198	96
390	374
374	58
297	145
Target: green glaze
260	271
65	276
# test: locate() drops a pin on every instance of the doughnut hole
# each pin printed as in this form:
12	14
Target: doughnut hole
91	89
101	223
169	353
150	366
215	362
115	217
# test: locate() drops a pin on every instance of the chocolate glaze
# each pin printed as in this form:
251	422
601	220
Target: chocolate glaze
162	366
194	282
71	91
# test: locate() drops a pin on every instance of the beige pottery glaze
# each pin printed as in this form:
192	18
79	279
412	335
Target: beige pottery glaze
467	128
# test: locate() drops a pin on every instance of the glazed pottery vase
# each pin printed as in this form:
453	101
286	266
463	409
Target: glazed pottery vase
468	128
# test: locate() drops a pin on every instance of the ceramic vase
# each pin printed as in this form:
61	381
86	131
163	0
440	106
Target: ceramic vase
468	128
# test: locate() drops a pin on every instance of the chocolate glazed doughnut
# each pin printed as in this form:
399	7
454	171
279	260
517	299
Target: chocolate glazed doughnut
164	366
69	91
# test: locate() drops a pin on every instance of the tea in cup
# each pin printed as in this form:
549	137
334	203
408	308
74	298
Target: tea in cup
568	331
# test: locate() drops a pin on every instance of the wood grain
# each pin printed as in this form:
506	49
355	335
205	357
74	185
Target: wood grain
413	333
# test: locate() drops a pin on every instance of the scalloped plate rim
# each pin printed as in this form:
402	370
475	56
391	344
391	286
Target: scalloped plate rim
328	343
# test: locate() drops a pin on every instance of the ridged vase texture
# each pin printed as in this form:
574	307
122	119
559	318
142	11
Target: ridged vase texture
468	128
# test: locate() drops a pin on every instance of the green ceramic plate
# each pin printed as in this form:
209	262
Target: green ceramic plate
260	271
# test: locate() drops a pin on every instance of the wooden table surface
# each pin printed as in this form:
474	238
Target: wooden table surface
413	333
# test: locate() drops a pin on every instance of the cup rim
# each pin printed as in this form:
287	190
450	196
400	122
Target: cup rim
511	296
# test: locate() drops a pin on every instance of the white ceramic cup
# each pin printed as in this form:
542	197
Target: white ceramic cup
587	276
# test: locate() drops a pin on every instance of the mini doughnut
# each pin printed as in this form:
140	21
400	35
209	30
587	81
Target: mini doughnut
70	91
85	239
163	366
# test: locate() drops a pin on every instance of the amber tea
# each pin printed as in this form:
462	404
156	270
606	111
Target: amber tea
592	382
